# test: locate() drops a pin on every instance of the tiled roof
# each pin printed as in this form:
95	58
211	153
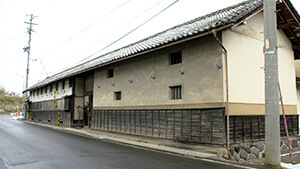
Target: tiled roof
232	14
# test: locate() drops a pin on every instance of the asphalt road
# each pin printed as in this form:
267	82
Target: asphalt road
27	146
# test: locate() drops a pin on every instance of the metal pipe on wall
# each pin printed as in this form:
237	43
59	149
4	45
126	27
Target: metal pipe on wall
226	82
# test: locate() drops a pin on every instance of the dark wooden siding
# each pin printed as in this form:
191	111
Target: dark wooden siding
51	117
46	112
190	125
252	128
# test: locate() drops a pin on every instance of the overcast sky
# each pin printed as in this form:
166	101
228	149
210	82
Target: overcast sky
70	31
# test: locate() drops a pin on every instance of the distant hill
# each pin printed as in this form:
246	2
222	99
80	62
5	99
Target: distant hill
8	104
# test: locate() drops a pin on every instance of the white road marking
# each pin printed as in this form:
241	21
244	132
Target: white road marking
7	165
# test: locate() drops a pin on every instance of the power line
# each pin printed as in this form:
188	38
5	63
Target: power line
43	68
120	28
122	36
90	25
131	31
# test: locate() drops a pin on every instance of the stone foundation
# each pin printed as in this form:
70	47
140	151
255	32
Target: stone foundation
244	152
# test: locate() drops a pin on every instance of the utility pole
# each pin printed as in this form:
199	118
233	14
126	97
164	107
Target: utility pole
272	118
27	49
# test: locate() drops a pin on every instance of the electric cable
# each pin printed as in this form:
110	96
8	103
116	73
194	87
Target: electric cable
130	31
43	67
120	28
120	37
90	25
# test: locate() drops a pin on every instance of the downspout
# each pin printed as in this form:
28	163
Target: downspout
226	82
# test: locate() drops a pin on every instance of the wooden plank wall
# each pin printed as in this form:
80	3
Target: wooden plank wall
252	128
190	125
46	111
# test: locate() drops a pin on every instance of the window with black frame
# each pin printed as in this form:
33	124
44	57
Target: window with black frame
176	92
175	58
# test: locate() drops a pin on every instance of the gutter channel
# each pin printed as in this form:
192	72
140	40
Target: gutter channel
226	76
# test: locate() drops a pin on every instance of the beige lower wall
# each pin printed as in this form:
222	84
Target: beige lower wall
257	109
167	106
234	108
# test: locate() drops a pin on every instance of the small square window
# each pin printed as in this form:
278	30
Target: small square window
110	73
63	84
70	82
176	92
118	95
175	58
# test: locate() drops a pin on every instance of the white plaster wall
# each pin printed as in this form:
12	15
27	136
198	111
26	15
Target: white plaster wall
246	62
245	68
201	81
60	93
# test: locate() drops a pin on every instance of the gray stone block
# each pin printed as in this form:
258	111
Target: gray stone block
255	151
246	148
232	150
251	157
285	142
294	143
242	161
232	158
237	157
260	146
244	154
284	147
